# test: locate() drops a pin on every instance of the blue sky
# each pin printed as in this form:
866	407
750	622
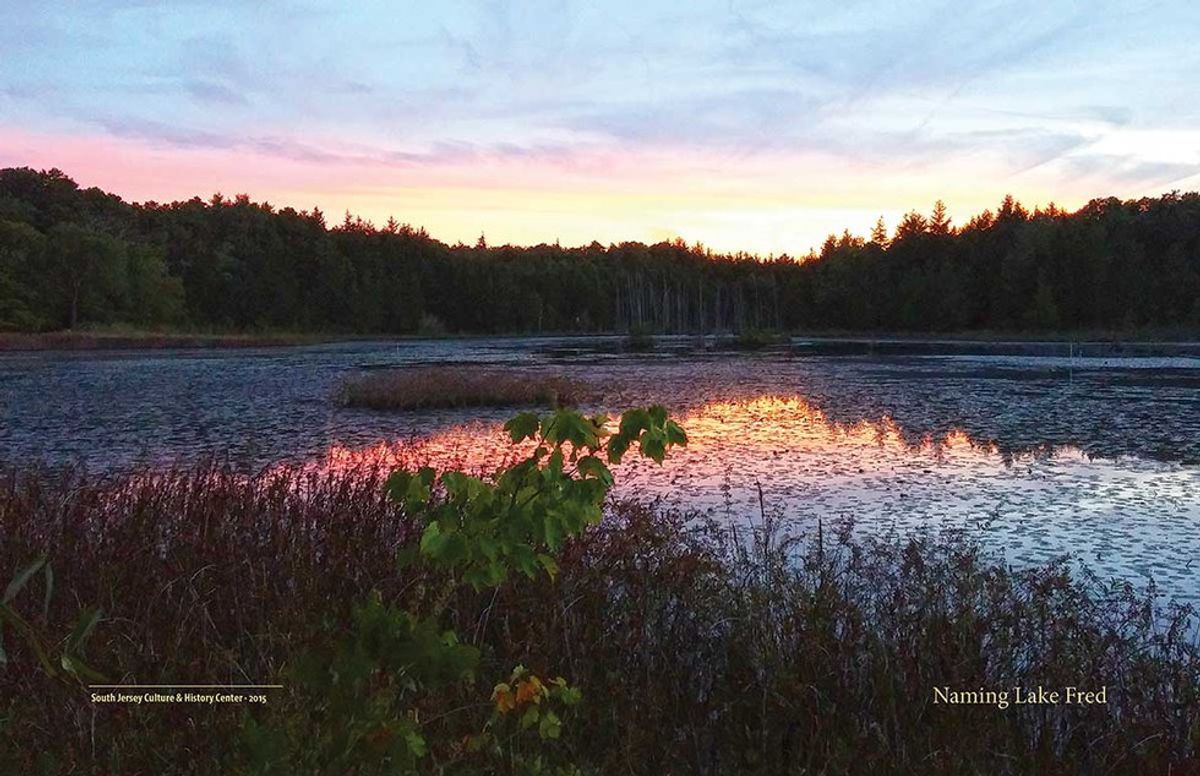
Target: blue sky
750	125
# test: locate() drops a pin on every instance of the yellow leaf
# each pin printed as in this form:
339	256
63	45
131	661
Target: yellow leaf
503	697
530	690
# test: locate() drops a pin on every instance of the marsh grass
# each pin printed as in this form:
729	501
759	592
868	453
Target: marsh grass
699	648
457	386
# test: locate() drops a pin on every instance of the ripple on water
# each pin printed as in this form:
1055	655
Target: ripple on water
1038	458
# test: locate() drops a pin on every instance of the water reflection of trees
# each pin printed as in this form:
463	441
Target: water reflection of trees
1027	417
914	406
744	429
776	415
1031	412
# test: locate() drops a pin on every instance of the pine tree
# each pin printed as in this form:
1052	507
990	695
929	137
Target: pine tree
939	222
879	235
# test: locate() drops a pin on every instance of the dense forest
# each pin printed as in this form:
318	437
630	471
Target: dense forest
72	257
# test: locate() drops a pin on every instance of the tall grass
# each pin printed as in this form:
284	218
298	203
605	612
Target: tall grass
699	649
456	386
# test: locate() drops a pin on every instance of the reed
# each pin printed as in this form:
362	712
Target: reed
457	386
699	648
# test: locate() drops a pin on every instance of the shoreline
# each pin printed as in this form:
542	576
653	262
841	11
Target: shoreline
148	340
824	343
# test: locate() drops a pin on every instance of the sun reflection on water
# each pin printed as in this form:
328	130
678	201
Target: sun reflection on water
759	437
1121	517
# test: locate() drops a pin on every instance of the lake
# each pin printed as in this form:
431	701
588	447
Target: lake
1037	455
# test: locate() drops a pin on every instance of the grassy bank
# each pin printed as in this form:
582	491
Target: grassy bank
697	649
133	339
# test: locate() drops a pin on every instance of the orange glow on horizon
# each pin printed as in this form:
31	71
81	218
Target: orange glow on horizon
764	205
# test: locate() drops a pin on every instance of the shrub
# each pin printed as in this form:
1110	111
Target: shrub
431	326
363	692
639	340
757	339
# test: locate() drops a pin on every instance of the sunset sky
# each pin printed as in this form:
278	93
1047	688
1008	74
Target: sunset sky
744	125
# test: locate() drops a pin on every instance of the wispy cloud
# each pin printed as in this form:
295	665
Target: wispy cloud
848	108
210	91
1130	173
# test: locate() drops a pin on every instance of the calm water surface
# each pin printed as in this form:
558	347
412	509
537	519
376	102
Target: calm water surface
1039	456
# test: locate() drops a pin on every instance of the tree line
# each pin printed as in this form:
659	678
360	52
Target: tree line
72	257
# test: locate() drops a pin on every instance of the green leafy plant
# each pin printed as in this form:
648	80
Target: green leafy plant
364	691
70	661
373	694
484	530
527	714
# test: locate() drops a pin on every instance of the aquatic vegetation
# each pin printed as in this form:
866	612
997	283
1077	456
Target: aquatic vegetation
695	647
456	386
757	339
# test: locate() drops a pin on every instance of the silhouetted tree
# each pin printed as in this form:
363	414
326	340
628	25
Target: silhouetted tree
70	257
